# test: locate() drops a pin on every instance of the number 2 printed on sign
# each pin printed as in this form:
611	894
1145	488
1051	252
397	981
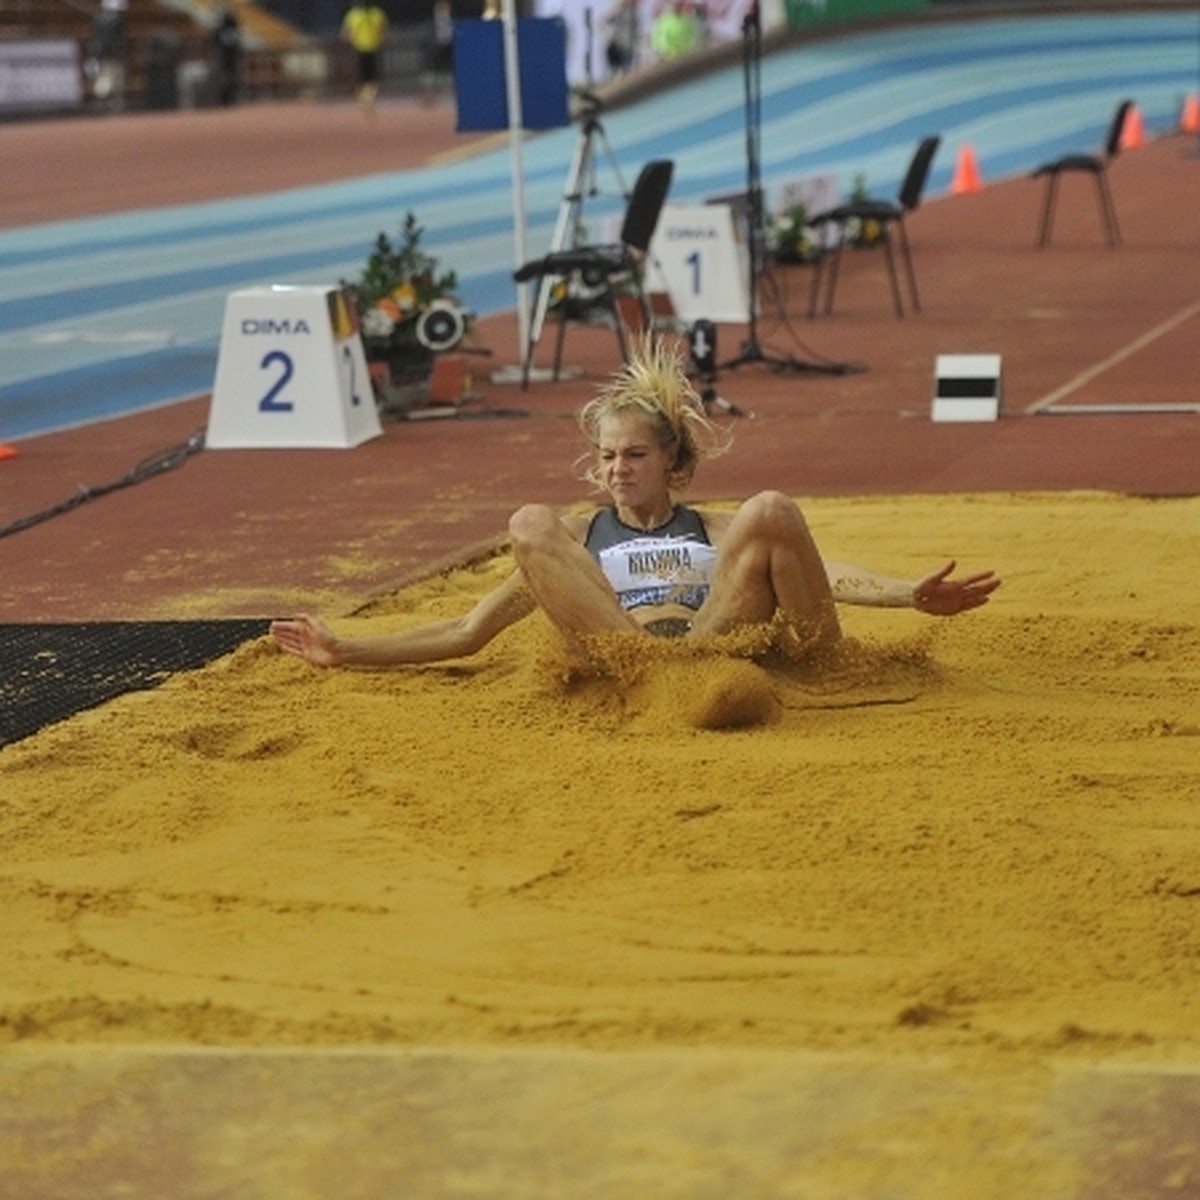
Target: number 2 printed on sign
272	402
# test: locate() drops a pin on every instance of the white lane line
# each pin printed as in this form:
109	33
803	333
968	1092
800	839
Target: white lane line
1119	356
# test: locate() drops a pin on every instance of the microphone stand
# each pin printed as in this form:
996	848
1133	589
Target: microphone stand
752	351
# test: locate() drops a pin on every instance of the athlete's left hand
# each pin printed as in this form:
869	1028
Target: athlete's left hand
941	596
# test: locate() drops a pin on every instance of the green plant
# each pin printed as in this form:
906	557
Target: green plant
399	282
790	238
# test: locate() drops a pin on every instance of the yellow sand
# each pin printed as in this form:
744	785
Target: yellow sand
975	837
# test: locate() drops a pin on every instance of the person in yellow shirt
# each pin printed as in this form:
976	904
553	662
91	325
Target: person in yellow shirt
677	31
365	27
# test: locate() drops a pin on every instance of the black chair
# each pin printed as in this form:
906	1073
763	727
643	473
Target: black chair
601	268
1095	165
887	215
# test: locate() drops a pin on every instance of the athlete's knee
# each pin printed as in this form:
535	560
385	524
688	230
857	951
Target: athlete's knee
773	514
531	526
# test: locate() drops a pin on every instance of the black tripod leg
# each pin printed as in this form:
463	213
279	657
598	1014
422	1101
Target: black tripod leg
713	399
891	266
906	254
1108	208
1048	208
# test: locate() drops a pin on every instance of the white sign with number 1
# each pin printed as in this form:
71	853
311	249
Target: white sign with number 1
698	256
291	372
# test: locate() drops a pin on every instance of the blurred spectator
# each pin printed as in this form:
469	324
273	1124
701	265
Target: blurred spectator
365	28
439	49
227	53
160	66
107	66
620	50
677	31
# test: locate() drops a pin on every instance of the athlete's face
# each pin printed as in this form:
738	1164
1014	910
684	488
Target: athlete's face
635	468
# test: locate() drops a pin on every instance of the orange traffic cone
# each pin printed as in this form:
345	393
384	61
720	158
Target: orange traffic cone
1133	132
1189	118
966	173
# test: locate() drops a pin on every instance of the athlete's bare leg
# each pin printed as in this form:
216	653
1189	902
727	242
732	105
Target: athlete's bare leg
768	561
564	578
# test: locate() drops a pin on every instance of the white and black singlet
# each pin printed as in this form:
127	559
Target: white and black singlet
672	564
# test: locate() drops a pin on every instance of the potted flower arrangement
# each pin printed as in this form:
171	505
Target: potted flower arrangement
790	238
399	284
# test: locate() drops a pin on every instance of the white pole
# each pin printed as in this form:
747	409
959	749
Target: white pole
512	77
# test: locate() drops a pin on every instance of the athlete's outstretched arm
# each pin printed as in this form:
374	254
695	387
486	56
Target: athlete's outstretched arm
936	594
311	639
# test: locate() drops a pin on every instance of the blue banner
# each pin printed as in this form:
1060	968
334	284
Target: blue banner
479	75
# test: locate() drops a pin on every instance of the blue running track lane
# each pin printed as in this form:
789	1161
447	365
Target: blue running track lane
116	314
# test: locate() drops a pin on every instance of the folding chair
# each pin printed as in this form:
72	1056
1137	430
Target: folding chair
887	214
601	267
1094	164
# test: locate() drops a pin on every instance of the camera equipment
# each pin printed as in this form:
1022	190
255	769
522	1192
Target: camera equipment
702	346
441	326
581	183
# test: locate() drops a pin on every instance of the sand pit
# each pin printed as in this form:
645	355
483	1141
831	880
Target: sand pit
973	841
